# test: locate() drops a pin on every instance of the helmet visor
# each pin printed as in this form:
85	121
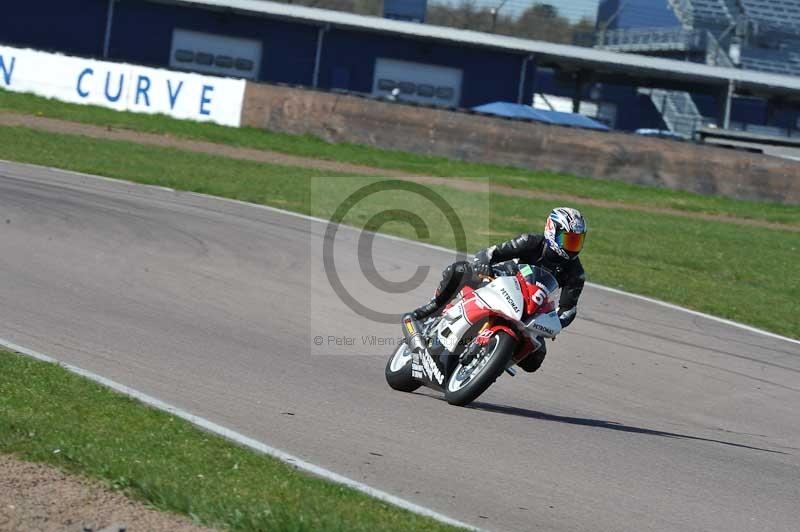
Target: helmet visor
571	242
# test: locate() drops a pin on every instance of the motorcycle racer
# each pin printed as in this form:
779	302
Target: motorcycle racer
556	250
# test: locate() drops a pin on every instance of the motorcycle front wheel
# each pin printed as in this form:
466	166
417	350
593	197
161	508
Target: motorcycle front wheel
469	379
398	370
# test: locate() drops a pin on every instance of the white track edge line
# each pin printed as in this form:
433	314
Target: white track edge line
696	313
241	439
617	291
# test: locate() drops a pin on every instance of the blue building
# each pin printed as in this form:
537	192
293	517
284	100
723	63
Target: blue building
263	47
288	44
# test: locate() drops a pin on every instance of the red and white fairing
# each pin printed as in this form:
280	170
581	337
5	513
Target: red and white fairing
510	297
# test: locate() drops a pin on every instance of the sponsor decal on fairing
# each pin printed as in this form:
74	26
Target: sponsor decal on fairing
431	368
510	299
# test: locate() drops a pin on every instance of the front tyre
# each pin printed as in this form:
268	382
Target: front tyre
398	370
469	380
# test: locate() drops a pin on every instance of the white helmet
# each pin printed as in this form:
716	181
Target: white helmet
565	231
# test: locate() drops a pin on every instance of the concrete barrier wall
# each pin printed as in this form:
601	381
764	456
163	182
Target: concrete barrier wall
624	157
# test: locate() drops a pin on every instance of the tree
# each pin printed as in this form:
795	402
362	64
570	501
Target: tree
362	7
544	11
541	21
465	15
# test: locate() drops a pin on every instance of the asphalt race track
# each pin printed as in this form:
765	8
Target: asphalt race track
642	418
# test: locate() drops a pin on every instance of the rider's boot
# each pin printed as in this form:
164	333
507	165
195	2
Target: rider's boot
428	309
454	277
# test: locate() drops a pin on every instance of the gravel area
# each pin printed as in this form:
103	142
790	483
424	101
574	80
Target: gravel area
36	497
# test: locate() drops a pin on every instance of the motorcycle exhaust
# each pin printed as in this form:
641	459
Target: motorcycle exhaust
412	330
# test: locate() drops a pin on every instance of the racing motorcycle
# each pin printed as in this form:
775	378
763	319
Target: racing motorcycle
482	333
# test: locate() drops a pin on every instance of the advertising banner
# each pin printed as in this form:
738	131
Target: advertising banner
122	86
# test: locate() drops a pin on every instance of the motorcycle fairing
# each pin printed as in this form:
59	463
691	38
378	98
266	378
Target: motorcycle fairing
547	325
506	296
503	295
433	370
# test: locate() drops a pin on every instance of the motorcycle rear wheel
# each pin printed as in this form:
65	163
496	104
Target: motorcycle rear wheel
467	383
398	370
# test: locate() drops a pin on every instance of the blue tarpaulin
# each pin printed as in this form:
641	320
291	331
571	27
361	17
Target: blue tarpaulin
515	110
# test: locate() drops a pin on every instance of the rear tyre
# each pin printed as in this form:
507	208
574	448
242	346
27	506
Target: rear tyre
467	382
398	370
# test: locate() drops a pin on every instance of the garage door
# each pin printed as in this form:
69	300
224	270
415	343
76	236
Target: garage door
417	82
215	54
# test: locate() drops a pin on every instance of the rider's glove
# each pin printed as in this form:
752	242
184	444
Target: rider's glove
567	316
480	269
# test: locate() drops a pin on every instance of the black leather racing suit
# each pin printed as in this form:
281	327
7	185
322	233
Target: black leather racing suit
529	248
532	249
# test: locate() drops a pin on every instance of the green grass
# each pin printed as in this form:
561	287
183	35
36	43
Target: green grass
196	172
738	272
50	415
741	273
312	147
713	267
733	271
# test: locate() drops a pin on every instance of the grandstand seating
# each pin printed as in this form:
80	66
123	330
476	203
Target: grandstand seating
712	11
712	15
652	40
783	14
769	32
775	61
776	24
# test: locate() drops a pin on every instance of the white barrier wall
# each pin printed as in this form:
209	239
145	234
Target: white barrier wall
122	86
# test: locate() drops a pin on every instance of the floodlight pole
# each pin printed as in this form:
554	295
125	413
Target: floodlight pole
495	11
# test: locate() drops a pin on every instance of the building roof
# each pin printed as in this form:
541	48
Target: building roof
603	63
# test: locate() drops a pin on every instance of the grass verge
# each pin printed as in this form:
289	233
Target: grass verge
713	267
48	414
315	148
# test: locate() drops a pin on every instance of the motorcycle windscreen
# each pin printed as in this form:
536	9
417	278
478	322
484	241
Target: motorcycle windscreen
539	277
